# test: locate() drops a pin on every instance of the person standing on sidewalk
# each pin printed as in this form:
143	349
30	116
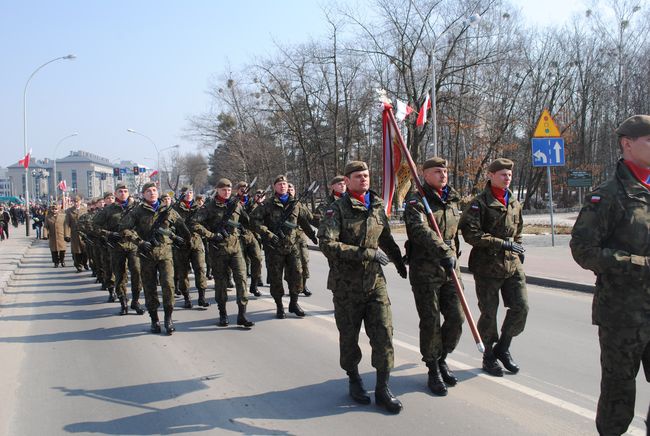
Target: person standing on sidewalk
352	232
611	237
432	259
55	232
492	225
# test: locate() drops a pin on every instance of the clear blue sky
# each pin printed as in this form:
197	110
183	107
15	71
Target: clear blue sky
140	64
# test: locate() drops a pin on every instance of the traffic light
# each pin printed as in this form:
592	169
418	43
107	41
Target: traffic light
116	172
136	170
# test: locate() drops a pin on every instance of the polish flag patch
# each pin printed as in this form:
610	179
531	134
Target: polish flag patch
595	198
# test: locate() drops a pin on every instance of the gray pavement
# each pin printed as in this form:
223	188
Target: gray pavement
12	253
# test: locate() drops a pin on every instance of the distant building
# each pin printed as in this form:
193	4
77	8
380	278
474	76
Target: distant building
5	183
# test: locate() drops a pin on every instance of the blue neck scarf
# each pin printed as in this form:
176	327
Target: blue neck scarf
283	198
124	204
155	205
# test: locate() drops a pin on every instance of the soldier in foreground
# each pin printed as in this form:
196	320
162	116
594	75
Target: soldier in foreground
492	225
611	237
351	233
431	261
152	226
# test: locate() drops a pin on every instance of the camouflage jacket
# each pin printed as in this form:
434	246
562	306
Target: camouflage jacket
266	222
72	216
85	226
208	219
137	226
349	236
425	247
247	234
611	237
186	213
485	224
109	218
322	208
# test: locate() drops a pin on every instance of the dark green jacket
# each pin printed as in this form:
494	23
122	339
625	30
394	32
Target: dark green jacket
485	224
109	218
195	242
611	237
208	219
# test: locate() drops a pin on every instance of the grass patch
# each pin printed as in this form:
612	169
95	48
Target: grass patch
537	229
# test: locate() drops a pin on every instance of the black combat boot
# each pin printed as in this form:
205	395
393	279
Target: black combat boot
305	291
260	283
135	305
253	289
223	315
111	295
502	352
294	307
383	396
357	392
435	382
202	302
279	311
188	302
62	258
155	322
169	322
241	317
447	376
124	306
490	364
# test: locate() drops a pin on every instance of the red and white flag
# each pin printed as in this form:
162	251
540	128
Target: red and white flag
403	110
422	116
25	161
153	173
63	186
392	154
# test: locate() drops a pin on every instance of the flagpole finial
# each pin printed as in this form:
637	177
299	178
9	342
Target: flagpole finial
383	96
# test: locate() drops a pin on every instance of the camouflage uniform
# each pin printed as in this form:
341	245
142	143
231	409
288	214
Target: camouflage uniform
611	238
192	252
103	252
251	247
433	288
157	265
84	227
303	250
284	255
122	254
77	247
486	224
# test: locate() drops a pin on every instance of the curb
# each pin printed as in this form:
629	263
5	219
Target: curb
8	276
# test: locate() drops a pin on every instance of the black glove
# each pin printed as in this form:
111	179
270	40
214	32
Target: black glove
401	269
314	239
224	233
66	238
179	241
521	258
448	263
114	237
275	240
146	247
281	234
513	246
381	257
218	237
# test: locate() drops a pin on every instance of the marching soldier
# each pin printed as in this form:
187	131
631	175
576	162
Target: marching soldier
84	225
151	225
303	248
492	225
192	252
201	201
611	237
77	248
276	221
56	233
351	232
250	245
122	253
102	244
220	222
431	261
337	190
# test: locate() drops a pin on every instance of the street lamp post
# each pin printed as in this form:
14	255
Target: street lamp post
56	188
70	57
154	146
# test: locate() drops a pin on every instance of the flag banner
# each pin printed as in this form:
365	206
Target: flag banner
392	156
153	173
422	116
403	110
63	186
25	161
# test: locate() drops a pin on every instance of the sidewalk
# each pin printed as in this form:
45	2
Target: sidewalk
12	251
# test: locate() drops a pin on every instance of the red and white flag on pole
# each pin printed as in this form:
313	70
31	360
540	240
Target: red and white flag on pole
63	186
392	154
153	173
25	161
422	116
403	110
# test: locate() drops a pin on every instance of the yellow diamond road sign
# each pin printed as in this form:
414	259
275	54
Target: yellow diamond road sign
546	127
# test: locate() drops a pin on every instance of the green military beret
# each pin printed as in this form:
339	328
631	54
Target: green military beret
635	126
186	188
108	194
121	185
354	166
500	164
336	179
242	184
147	186
224	183
200	197
280	178
434	162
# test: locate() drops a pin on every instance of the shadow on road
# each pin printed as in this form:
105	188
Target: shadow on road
98	334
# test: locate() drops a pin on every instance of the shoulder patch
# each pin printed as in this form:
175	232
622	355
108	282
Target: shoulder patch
474	207
329	212
411	202
595	199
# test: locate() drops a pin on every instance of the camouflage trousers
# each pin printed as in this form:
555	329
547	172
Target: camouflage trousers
97	262
220	266
120	260
107	268
153	270
253	257
515	298
622	349
290	265
351	308
431	301
182	261
79	259
303	249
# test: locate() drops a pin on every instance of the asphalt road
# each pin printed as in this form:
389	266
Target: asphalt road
71	365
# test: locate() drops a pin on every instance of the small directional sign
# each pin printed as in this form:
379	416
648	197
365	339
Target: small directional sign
548	152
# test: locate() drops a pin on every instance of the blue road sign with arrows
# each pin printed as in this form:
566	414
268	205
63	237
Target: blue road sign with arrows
548	152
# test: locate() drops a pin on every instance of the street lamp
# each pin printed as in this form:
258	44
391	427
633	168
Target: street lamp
68	57
56	188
